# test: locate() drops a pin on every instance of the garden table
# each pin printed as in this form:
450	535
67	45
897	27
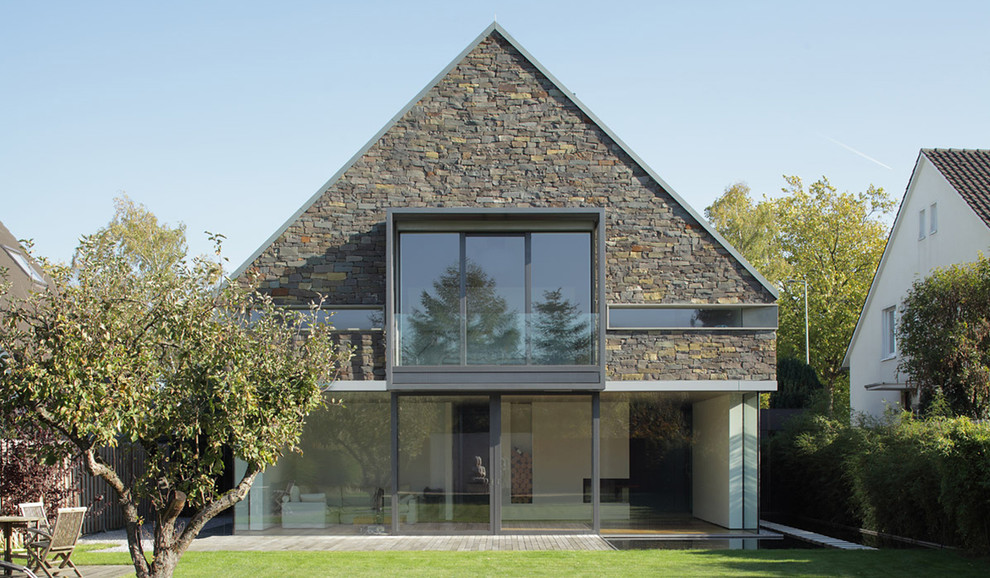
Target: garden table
8	523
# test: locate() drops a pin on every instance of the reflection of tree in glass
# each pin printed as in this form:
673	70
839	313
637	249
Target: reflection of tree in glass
354	437
561	333
715	318
493	333
436	327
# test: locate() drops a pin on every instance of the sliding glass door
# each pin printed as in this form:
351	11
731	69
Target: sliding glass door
444	464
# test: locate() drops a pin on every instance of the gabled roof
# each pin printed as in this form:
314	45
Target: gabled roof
496	29
968	171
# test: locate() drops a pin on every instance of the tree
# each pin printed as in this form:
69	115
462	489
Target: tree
944	339
140	344
797	384
750	228
831	240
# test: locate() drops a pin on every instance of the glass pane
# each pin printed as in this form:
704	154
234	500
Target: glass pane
340	483
444	464
674	318
562	326
349	319
759	317
429	321
495	285
646	462
546	463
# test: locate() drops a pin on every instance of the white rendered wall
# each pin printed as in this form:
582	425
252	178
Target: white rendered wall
710	475
724	478
960	237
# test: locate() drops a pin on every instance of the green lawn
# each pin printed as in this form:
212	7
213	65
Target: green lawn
621	563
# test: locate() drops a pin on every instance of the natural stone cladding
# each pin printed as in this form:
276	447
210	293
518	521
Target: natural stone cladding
495	132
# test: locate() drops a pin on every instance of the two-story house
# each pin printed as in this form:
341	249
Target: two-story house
944	219
547	337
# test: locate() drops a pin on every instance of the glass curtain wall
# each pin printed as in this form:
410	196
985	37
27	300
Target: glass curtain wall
444	464
646	462
546	463
341	481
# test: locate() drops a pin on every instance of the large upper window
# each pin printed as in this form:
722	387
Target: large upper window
495	298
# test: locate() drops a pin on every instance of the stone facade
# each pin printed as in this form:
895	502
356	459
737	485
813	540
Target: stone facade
495	132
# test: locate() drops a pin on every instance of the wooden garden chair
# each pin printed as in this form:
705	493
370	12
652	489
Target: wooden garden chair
32	510
52	551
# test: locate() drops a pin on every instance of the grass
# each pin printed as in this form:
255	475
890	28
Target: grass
566	563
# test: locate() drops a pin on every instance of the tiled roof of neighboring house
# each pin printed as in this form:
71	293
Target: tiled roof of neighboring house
968	171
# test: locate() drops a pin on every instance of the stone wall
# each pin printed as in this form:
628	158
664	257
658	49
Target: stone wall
495	132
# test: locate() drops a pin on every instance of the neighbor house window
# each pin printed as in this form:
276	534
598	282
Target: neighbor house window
933	218
496	298
921	224
25	265
889	337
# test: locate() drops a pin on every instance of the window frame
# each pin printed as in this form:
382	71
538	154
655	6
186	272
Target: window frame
933	219
888	333
25	265
495	377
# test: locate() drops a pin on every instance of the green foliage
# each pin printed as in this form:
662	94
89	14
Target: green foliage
831	240
140	343
944	339
806	476
797	385
923	479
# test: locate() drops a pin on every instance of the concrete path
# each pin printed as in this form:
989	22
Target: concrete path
819	539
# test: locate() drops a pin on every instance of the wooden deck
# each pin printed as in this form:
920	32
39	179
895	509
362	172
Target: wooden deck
104	571
400	543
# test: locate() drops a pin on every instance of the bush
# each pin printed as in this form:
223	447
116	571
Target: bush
24	474
923	479
807	478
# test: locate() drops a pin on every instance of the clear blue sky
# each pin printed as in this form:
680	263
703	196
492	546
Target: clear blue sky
227	116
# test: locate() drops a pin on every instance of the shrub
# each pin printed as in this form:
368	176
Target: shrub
923	479
24	474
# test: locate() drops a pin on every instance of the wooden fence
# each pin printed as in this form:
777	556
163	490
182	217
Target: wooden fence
105	512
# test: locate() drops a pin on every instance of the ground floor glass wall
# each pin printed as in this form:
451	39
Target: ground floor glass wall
646	462
666	462
339	484
546	463
444	464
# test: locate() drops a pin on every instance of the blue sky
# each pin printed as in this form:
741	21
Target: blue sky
228	116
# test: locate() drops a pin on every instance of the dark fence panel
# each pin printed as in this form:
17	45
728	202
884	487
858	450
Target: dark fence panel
105	512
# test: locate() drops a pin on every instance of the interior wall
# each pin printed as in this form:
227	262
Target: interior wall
710	480
561	450
614	456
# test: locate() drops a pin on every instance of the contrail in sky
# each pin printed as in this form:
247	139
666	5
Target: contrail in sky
865	156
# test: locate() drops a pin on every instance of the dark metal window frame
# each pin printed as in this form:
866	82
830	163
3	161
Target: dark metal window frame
490	377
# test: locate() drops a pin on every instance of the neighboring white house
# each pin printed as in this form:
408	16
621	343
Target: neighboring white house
943	220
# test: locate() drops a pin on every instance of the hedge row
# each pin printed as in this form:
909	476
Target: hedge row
922	479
